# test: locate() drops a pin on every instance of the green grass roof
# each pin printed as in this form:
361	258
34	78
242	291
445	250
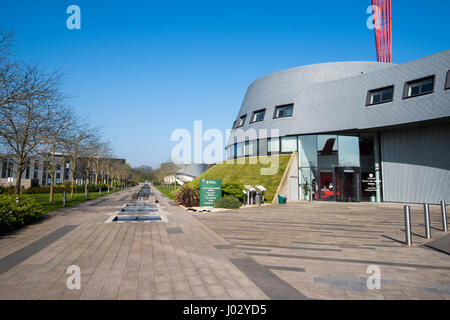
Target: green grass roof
247	173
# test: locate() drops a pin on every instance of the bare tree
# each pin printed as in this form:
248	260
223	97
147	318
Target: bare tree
23	121
103	152
26	90
51	144
75	145
88	158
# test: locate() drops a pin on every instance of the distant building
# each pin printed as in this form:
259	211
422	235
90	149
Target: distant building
35	174
186	172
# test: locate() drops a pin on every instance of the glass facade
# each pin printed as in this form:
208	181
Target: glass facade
250	148
348	154
289	144
240	150
334	167
273	145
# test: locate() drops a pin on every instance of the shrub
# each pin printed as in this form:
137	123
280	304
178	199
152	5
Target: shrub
7	190
233	190
187	196
227	202
15	214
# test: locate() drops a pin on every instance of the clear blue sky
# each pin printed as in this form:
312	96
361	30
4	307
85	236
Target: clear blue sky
141	69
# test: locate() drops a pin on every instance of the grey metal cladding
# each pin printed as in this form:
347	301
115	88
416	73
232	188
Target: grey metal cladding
416	165
332	96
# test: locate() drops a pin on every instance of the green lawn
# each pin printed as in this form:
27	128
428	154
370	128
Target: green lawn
248	173
169	193
42	199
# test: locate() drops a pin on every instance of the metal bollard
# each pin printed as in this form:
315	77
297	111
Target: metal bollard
407	226
64	198
426	211
100	191
107	190
444	216
87	195
258	199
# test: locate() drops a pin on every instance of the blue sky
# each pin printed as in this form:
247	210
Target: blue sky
141	69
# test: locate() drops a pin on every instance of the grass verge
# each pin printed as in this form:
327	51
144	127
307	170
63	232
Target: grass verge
169	193
42	200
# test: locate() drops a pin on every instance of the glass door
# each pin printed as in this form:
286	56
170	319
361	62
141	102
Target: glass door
326	190
348	184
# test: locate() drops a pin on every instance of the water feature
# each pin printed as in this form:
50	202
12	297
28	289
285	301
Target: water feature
129	218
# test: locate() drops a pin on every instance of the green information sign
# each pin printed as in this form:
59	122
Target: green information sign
210	191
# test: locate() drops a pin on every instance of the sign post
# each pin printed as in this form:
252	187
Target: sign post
210	191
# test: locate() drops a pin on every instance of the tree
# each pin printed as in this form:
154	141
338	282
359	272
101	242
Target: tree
52	143
87	158
142	173
100	159
26	91
75	144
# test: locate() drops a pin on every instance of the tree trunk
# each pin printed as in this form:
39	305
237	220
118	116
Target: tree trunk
72	188
86	184
51	188
96	179
19	177
52	172
74	166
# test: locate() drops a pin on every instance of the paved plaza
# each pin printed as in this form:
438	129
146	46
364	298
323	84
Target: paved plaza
296	251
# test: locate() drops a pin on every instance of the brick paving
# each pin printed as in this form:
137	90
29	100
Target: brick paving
324	249
296	251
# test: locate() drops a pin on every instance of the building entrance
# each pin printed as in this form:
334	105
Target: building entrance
348	184
339	184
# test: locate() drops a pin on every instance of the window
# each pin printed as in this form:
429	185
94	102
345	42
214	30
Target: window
273	145
289	144
250	148
307	149
380	95
27	170
4	167
10	167
418	87
258	115
36	170
67	171
283	111
447	81
230	152
348	151
239	150
241	121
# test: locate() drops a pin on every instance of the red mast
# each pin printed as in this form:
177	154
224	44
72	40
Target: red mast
383	30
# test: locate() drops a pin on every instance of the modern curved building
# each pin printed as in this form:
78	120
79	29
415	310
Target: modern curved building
364	131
